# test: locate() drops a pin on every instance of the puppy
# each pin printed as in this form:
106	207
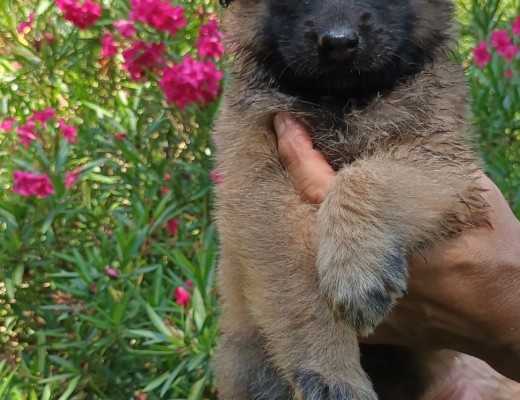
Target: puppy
373	82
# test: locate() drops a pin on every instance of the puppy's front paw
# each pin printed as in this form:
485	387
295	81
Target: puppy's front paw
313	386
361	283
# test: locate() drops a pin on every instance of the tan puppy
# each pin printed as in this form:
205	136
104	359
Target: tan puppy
388	110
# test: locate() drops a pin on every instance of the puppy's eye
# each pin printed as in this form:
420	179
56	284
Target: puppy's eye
225	3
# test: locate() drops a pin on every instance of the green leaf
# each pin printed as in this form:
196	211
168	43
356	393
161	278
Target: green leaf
196	389
56	378
5	382
70	388
100	111
120	309
172	376
156	382
159	324
198	309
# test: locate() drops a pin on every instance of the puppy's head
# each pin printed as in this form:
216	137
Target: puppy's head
338	47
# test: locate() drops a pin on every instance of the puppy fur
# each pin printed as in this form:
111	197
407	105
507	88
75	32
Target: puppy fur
299	282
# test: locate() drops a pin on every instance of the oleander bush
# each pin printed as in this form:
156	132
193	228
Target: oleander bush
490	47
107	249
106	242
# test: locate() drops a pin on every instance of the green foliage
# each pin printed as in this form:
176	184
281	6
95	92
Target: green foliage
495	92
69	329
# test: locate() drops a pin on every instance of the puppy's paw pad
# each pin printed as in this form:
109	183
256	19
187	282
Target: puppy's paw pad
363	293
313	386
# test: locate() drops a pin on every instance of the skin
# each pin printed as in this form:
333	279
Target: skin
463	294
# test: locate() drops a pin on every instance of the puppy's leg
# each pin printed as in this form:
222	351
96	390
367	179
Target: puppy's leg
241	365
319	356
274	233
244	372
375	212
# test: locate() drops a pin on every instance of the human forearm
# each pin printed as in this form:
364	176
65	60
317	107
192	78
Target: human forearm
464	294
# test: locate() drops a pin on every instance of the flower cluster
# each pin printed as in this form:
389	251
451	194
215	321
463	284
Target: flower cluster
209	43
69	131
125	28
82	15
7	125
158	14
503	44
29	184
188	81
143	56
191	81
109	48
27	131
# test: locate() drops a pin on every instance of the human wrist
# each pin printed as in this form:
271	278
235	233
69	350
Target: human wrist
506	357
471	378
499	263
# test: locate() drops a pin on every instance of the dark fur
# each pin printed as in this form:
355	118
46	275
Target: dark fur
298	283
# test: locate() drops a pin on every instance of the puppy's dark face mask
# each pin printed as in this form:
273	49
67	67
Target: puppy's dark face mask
343	47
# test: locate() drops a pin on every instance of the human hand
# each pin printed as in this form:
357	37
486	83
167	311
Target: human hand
463	294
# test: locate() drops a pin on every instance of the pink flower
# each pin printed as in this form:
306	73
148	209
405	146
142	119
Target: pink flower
208	44
216	177
500	40
125	28
182	296
142	56
188	284
191	82
7	124
48	36
109	46
69	131
28	184
158	13
71	177
44	116
173	226
167	176
120	136
515	26
81	15
508	73
26	133
25	27
509	52
111	271
481	54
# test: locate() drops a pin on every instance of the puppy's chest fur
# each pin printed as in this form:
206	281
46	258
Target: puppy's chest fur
427	107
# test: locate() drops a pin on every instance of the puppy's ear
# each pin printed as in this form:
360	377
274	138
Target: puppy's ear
225	3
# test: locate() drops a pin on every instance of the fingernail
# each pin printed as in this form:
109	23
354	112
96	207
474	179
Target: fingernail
280	123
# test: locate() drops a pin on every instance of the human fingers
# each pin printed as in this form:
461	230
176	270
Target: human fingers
307	167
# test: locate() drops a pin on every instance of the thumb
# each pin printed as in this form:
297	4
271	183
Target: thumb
306	166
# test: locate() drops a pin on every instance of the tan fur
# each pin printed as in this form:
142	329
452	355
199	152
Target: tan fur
293	276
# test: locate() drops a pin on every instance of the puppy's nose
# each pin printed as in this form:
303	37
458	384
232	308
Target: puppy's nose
338	45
